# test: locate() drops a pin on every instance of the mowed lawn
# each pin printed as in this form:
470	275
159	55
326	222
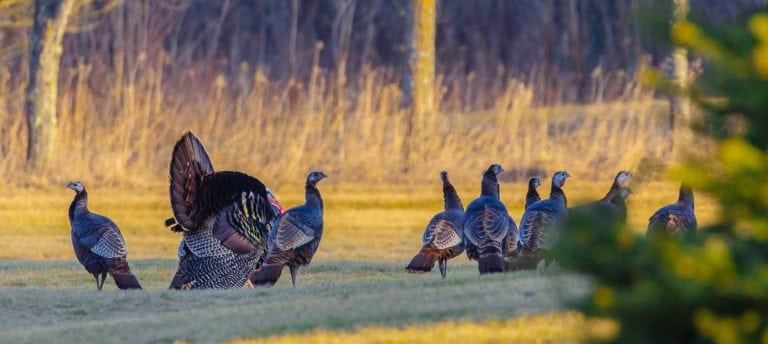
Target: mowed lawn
355	290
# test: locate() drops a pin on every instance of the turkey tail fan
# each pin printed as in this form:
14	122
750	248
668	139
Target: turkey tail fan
267	275
424	261
491	261
120	271
189	162
491	264
126	281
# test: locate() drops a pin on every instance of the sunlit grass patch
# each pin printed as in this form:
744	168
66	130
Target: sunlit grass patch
560	327
362	222
55	301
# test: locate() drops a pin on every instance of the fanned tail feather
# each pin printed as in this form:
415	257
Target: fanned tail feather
491	261
424	261
126	281
188	163
121	273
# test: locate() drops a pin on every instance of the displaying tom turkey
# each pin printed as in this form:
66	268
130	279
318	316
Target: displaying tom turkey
224	217
541	224
295	238
442	237
487	224
532	196
98	243
612	207
677	219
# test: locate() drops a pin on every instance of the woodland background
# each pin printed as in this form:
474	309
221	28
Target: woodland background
279	87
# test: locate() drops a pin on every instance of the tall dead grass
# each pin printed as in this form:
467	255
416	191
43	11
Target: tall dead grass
118	130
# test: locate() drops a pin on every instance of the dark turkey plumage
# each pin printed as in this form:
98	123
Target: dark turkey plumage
532	196
296	237
541	224
678	219
620	204
225	218
98	243
612	207
487	224
442	237
512	245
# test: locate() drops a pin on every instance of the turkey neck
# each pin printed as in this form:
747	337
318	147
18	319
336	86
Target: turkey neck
312	196
79	205
619	202
686	197
558	194
612	191
451	198
490	186
532	193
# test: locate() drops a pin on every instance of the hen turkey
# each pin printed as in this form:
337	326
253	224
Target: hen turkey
98	243
541	224
677	219
442	237
296	237
487	224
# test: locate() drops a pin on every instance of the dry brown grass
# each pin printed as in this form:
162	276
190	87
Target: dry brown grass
119	132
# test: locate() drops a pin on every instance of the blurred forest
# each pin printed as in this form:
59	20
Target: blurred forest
127	65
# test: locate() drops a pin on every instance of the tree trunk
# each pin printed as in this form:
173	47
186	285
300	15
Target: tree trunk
48	30
423	61
680	107
419	80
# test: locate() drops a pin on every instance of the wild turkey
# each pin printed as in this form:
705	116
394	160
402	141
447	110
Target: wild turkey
611	207
532	196
541	223
442	237
296	237
98	243
225	218
487	224
678	219
512	243
620	202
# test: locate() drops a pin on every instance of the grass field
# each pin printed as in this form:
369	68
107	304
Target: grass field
355	290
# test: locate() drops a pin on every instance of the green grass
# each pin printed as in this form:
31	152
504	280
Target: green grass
55	301
356	282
